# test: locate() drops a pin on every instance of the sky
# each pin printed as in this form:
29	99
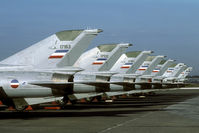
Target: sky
168	27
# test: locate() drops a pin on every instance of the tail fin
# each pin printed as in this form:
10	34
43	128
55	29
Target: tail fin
164	67
138	61
185	73
130	61
179	68
114	56
170	70
101	58
153	64
58	50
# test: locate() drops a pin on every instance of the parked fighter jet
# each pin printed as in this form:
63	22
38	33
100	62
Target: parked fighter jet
52	69
126	66
156	83
97	63
184	74
172	74
146	71
165	77
131	81
24	75
158	73
123	64
181	79
126	63
162	67
84	84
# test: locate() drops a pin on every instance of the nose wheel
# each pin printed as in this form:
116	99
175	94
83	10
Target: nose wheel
20	108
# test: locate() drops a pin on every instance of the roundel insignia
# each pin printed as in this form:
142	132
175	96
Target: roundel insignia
14	83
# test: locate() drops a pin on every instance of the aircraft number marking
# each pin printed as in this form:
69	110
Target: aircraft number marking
104	56
65	46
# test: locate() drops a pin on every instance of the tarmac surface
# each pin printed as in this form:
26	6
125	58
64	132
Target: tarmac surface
166	112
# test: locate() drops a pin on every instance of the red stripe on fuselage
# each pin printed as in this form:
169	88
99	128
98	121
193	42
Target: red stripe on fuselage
57	56
125	67
142	69
97	63
155	71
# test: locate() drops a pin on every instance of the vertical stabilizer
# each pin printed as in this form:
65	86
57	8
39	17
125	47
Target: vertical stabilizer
114	56
130	61
102	57
79	46
122	64
164	67
178	69
58	50
153	64
185	73
170	70
138	61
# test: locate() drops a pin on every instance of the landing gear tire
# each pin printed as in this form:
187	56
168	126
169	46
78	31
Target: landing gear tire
63	102
20	108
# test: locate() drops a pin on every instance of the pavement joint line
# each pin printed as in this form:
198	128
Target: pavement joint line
123	123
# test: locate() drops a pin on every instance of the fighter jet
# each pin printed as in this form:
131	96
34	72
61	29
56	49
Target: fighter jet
134	77
157	80
146	71
183	75
158	73
96	63
44	69
129	61
120	66
172	74
93	67
181	79
126	66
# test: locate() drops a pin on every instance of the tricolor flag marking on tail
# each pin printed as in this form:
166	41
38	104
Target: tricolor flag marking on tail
126	65
156	70
170	70
143	68
58	54
99	61
14	83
